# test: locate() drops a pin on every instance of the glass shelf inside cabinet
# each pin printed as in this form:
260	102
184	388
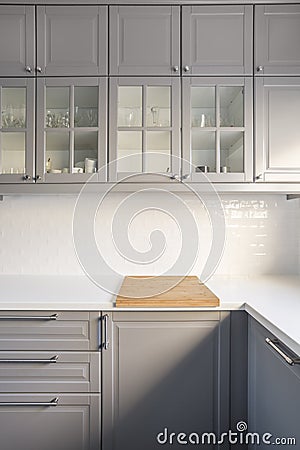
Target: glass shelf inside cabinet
13	110
158	108
86	106
203	103
57	107
129	106
231	106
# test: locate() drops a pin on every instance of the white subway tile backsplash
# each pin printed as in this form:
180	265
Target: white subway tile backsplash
262	234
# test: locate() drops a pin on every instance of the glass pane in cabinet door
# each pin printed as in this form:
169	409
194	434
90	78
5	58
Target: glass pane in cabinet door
231	106
204	151
232	151
85	152
57	152
13	107
57	107
86	106
158	106
159	149
13	153
203	104
130	147
129	106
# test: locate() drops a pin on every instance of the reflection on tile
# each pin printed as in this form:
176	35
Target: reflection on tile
262	235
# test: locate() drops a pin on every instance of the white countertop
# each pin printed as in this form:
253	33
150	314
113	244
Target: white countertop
272	300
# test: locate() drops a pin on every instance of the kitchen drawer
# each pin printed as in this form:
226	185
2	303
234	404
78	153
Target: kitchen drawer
47	372
38	422
49	330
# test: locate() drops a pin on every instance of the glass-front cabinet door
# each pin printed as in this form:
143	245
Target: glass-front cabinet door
217	129
71	122
16	130
145	127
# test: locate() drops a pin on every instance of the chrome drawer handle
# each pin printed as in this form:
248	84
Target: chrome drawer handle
52	317
35	361
105	342
53	402
289	359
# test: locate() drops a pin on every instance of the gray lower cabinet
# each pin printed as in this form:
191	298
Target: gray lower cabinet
17	40
50	421
50	380
164	373
277	39
277	129
49	330
274	390
217	40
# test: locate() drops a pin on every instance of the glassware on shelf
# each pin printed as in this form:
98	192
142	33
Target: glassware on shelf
13	116
57	120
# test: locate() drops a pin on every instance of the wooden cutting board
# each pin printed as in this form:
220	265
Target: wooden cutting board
142	291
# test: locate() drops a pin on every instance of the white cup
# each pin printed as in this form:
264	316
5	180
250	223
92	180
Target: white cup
77	170
90	165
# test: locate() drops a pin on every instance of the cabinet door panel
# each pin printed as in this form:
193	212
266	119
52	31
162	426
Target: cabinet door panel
217	40
72	40
73	424
277	129
274	389
165	374
71	137
16	40
35	331
48	372
277	48
144	40
17	142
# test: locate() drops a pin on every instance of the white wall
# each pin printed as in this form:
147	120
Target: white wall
262	235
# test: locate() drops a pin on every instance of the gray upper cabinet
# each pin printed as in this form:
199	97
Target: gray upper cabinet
72	40
17	101
217	40
17	37
277	129
274	389
277	40
164	370
144	40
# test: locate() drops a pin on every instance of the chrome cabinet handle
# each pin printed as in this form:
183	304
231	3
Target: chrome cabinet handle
38	178
27	177
175	69
105	342
186	68
259	177
39	69
259	68
289	359
53	402
35	361
52	317
28	69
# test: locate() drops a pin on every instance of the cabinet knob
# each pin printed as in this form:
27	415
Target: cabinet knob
186	69
259	177
27	177
175	69
38	178
39	69
28	69
259	68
